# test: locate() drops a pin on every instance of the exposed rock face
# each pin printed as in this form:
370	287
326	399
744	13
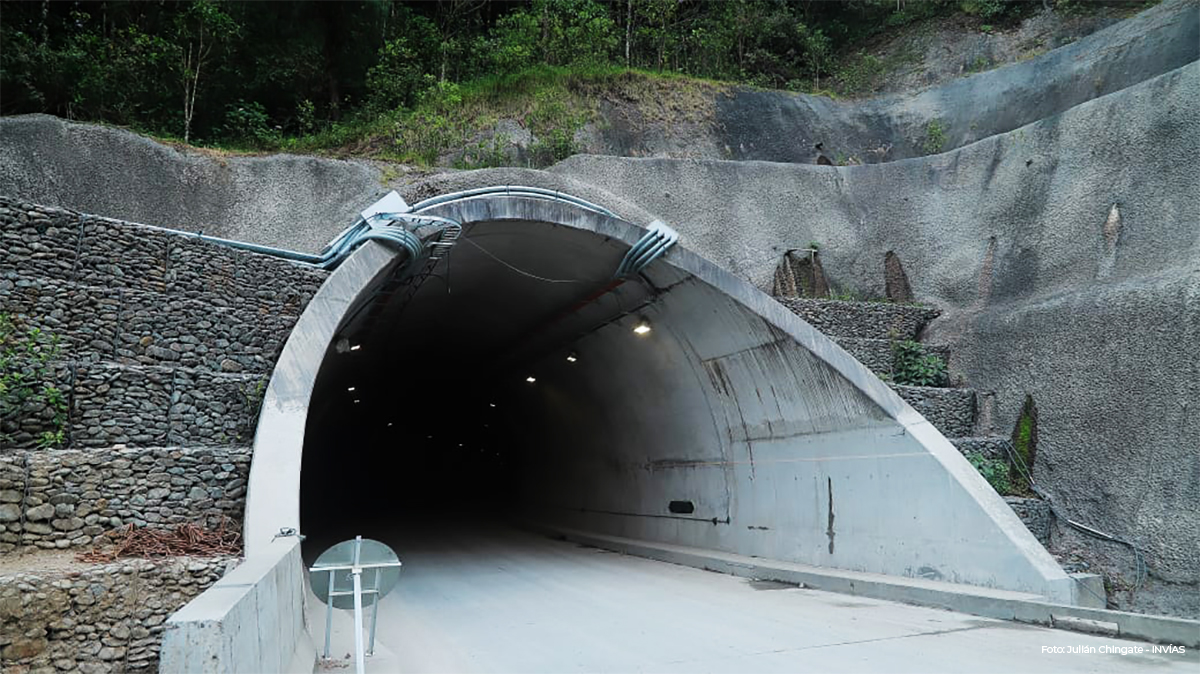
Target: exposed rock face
896	285
800	275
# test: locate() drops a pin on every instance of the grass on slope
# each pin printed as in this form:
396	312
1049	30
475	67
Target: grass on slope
456	122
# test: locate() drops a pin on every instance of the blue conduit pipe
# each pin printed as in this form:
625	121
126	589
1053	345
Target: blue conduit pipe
398	229
648	248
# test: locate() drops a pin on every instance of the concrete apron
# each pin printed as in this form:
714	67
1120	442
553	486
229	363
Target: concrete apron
979	601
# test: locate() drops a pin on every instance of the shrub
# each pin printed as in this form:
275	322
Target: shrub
995	471
397	78
913	366
935	137
26	379
250	123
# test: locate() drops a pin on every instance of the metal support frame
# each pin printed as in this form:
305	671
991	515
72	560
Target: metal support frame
355	568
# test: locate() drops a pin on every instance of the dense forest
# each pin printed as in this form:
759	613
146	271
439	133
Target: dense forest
251	73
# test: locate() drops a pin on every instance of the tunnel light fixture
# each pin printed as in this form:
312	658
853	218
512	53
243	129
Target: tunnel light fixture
531	379
357	401
356	347
389	424
350	388
571	357
491	404
642	327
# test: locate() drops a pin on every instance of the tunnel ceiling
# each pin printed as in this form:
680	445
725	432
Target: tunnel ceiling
506	293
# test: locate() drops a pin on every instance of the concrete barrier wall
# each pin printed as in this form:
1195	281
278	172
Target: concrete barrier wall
250	621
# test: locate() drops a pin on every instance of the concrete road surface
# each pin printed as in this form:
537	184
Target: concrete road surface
502	600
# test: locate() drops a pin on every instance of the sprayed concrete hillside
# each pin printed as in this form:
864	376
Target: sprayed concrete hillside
1056	227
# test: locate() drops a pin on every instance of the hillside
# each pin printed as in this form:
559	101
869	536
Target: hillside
957	84
483	84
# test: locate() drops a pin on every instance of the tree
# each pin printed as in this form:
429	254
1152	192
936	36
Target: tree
200	29
815	51
397	77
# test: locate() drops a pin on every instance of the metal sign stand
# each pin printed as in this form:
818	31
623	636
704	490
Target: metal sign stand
355	568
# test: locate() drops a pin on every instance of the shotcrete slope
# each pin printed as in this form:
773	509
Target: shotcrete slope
1046	291
119	174
777	126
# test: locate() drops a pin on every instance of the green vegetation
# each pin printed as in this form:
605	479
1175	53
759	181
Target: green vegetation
1024	442
912	365
552	103
860	73
935	137
411	79
26	381
995	471
980	64
252	396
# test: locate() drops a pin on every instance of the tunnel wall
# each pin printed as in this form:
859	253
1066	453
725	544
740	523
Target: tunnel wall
651	415
780	454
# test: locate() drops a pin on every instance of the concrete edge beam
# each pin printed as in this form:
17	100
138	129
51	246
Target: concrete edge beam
252	620
984	602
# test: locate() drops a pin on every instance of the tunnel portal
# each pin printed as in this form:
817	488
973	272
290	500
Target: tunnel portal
522	382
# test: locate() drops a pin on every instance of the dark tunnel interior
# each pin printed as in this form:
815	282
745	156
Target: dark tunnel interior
420	415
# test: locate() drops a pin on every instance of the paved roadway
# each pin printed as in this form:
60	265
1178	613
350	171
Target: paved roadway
500	600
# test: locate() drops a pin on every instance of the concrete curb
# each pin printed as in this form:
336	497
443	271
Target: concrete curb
980	601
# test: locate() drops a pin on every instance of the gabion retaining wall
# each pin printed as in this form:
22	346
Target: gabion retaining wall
165	339
142	406
70	498
102	619
39	241
880	320
950	410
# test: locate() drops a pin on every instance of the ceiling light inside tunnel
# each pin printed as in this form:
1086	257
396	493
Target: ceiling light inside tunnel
571	357
491	404
350	389
531	379
357	401
356	347
642	327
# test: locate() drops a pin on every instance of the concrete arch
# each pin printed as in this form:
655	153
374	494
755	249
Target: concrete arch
831	468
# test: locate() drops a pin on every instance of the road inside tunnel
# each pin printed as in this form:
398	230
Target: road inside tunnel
482	597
